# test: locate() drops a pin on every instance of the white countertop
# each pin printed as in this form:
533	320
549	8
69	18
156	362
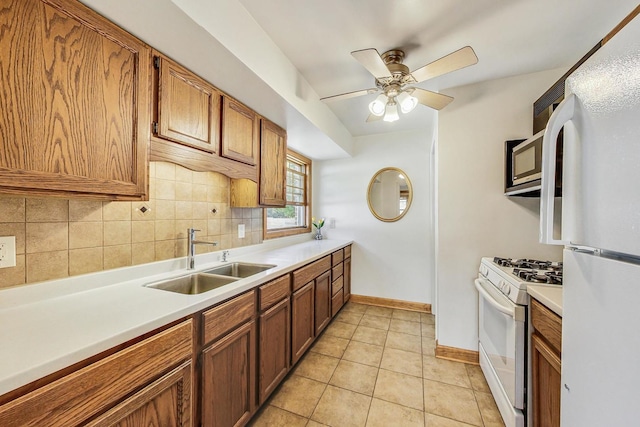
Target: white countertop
549	295
48	326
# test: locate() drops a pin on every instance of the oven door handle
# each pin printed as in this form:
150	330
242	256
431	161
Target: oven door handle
509	311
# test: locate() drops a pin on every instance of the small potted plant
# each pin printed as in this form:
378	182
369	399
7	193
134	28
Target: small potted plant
318	225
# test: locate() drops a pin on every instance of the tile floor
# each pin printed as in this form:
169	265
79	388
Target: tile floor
375	366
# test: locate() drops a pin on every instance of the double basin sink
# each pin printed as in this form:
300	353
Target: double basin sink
207	280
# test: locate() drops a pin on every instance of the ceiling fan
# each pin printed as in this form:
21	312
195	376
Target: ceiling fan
393	79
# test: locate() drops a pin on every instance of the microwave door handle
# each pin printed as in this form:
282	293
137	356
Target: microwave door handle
509	311
562	114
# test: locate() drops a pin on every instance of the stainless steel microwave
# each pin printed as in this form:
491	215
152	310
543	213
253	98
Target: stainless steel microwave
523	166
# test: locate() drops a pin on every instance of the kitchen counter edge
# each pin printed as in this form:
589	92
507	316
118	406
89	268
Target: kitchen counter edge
549	295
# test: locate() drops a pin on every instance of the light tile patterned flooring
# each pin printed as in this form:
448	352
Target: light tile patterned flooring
373	367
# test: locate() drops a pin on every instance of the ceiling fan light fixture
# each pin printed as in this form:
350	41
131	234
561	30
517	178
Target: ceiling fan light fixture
391	112
377	106
407	102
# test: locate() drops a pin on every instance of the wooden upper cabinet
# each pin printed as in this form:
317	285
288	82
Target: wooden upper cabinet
74	108
240	132
273	160
188	108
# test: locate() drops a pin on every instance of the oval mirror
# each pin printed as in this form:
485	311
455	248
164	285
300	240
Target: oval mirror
389	195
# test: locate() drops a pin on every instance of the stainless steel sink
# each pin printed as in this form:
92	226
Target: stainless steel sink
239	269
193	284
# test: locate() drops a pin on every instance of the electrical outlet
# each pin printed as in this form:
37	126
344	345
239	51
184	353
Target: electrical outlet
332	223
240	231
7	251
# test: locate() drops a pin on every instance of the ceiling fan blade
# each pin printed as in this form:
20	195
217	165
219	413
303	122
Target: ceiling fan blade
434	100
371	60
374	118
454	61
349	94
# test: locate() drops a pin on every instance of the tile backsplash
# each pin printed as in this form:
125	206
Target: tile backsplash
57	238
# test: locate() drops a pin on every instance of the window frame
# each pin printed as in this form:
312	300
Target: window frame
291	231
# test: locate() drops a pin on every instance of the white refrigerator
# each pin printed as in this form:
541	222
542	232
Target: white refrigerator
601	234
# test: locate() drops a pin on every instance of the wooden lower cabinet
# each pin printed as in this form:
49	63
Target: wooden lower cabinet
275	347
322	306
546	345
229	378
546	384
103	388
346	274
165	402
302	321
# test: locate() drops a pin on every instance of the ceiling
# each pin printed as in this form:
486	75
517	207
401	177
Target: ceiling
510	37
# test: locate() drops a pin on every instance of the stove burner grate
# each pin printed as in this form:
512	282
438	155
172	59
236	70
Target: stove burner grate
539	276
528	263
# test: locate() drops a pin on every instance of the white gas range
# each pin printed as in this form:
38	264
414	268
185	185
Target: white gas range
502	335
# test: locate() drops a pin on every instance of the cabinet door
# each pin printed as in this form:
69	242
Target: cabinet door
240	132
546	370
80	395
323	301
346	274
229	379
273	159
74	108
166	402
302	331
275	345
188	107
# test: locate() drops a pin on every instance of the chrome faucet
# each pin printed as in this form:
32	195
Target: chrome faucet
225	254
191	247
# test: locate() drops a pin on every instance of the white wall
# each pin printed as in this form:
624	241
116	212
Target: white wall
475	219
390	260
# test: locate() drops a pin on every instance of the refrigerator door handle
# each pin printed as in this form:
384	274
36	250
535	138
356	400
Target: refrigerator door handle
562	114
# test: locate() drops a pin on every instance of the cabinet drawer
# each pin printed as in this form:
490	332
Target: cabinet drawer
274	291
337	271
73	399
225	317
337	257
347	252
306	274
547	324
336	302
337	285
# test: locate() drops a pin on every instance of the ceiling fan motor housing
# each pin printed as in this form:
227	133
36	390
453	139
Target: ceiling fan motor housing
401	74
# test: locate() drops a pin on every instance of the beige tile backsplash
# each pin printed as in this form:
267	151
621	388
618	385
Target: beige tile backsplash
57	238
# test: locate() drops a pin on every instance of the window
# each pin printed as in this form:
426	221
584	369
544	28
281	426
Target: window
294	218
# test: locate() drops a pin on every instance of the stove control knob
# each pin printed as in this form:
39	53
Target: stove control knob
503	284
508	290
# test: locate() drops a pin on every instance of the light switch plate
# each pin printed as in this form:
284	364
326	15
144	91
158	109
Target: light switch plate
7	251
240	231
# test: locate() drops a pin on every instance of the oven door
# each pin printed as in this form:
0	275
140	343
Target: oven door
502	329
